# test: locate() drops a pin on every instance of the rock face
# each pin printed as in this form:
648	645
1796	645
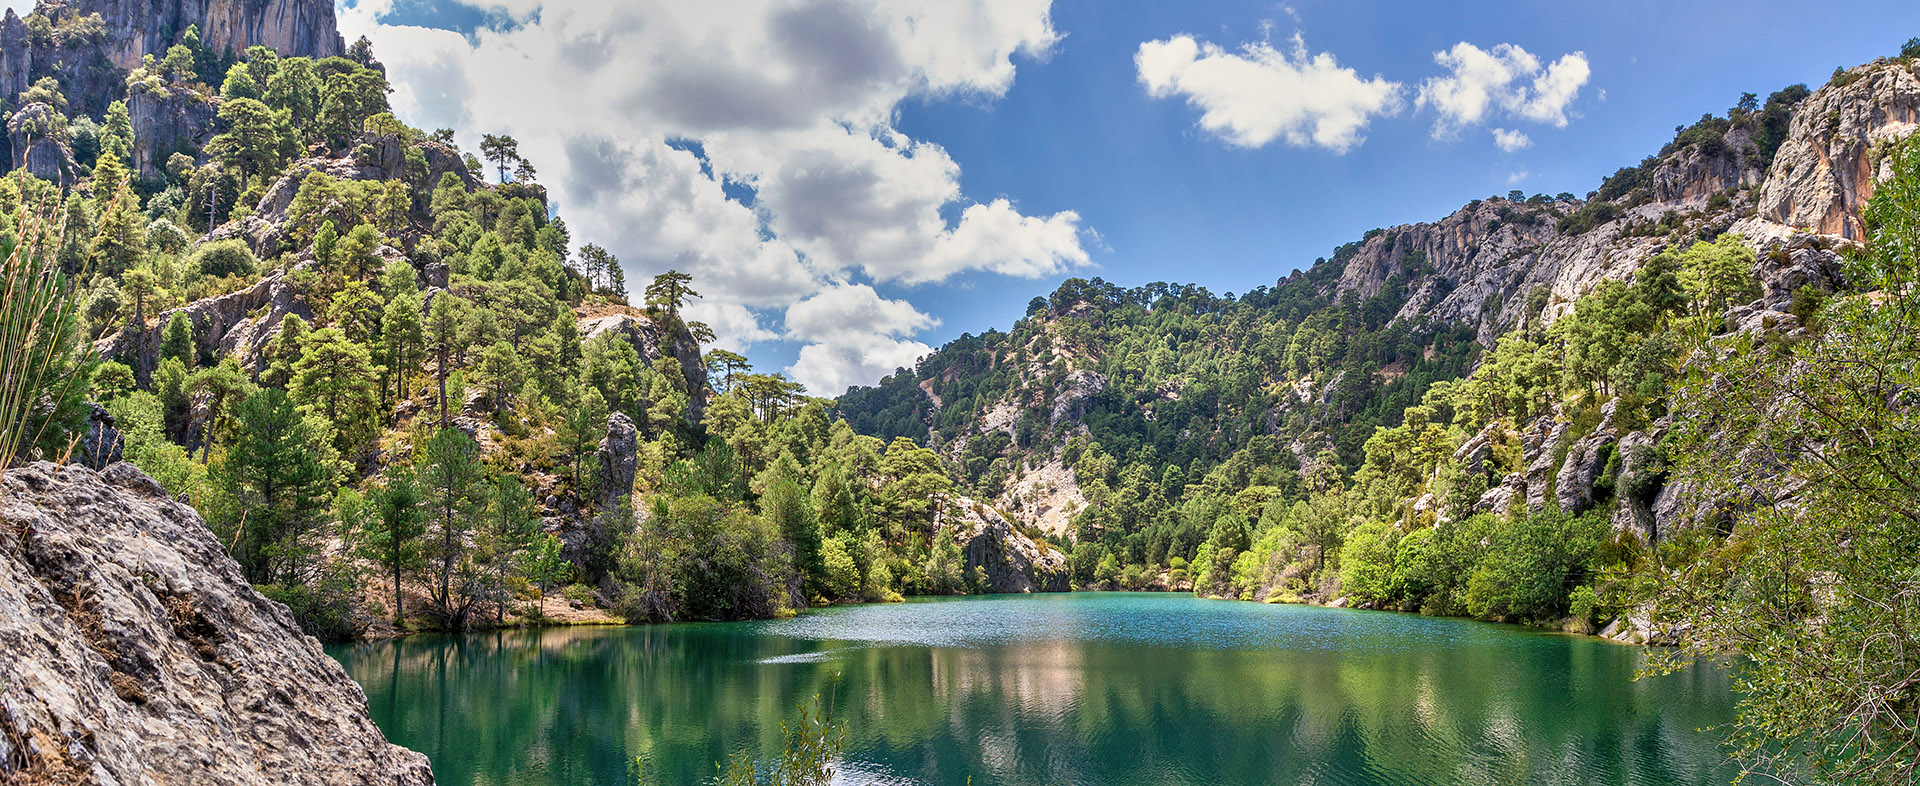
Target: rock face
1011	561
167	120
1836	149
16	57
296	28
654	343
238	324
133	652
30	136
619	457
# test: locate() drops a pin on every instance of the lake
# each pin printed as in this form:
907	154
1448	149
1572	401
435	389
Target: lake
1069	689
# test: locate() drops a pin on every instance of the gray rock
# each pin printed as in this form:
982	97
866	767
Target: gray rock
619	457
37	148
237	324
654	343
1537	448
1825	171
1581	470
133	651
1071	402
1500	499
168	120
101	446
1011	561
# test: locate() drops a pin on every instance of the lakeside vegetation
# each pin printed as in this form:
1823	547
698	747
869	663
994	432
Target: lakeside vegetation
419	433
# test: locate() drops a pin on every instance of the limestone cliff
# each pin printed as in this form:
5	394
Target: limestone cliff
297	28
1008	559
133	652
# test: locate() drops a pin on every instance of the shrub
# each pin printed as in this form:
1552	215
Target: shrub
222	258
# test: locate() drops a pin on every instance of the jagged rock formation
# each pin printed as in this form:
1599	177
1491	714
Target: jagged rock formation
619	457
1010	561
136	654
238	324
297	28
1826	170
167	120
654	343
16	56
35	146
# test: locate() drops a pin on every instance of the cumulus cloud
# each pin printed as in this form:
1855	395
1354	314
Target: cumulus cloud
649	120
1509	140
866	333
1258	94
1506	81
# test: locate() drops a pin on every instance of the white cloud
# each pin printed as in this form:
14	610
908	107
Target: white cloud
854	308
641	116
857	359
857	337
1517	177
1509	140
1505	81
735	325
1252	97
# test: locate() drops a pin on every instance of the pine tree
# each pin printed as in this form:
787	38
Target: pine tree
391	537
453	486
278	474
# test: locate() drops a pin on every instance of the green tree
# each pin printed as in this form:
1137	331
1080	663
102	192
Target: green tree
511	527
453	485
258	140
443	339
1819	597
502	150
669	291
1718	275
176	341
391	535
403	341
336	379
278	474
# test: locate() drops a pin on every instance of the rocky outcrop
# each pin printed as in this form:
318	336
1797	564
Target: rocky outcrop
296	28
1070	404
385	159
167	120
619	457
133	652
35	137
654	343
238	324
1047	496
1696	172
1836	149
16	56
101	445
1009	560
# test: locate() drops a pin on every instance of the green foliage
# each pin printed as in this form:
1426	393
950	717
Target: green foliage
1818	597
279	475
222	258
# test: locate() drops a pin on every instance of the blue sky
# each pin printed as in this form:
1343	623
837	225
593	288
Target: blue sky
820	145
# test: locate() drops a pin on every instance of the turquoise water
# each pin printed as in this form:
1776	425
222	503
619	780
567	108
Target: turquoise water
1084	688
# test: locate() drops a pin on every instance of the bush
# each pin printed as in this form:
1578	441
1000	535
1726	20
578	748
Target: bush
222	258
326	609
1589	216
578	593
1529	564
1366	563
1583	603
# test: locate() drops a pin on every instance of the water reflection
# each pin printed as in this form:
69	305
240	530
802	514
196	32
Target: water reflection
1080	689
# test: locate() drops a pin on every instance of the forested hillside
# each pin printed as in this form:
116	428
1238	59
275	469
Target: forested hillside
1471	416
398	389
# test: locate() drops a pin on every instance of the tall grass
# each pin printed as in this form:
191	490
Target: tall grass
39	375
